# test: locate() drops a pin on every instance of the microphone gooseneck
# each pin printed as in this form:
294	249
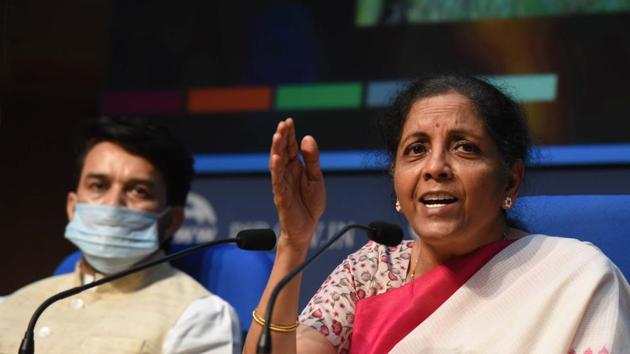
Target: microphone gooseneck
256	240
378	231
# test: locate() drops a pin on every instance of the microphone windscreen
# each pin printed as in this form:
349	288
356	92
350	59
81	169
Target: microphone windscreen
385	233
256	239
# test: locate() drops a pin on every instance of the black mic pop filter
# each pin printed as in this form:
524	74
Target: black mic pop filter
256	239
385	233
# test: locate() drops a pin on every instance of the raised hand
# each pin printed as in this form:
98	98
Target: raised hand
298	187
300	198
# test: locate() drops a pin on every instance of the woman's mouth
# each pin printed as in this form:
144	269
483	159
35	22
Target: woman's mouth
436	200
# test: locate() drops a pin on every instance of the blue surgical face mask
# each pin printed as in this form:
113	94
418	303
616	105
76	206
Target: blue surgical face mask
113	239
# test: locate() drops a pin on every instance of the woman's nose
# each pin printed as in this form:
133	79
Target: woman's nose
437	166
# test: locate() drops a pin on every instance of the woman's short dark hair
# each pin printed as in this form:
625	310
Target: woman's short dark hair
152	142
503	118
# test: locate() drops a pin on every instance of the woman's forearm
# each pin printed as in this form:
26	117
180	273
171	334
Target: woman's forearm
286	306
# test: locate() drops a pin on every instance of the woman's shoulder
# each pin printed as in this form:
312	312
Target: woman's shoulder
377	268
564	243
382	253
570	248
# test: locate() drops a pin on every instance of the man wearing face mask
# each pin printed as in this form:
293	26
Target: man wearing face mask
129	201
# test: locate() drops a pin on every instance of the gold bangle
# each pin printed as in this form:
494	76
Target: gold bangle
275	327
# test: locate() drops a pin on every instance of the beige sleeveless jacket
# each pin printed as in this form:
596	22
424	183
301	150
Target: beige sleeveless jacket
129	315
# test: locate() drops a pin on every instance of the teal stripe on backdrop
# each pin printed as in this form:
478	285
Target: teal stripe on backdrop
380	93
528	88
523	88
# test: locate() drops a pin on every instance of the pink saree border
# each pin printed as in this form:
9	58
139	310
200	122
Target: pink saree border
381	321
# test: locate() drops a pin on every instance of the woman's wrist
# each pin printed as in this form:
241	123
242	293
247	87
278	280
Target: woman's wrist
290	249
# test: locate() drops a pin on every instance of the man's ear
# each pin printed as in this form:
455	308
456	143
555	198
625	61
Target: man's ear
71	201
515	178
172	221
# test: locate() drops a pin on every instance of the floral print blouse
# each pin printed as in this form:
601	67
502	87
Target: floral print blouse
372	270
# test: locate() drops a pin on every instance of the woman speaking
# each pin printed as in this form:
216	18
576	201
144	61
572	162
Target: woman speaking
470	283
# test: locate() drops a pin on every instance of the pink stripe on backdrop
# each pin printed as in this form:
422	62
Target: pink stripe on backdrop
143	102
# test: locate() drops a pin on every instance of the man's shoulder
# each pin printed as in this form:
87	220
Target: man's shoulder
42	287
27	298
172	280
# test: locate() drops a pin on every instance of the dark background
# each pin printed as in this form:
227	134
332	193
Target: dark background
52	70
58	58
155	45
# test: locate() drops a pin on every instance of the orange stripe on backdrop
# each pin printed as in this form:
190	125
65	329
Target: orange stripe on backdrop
207	100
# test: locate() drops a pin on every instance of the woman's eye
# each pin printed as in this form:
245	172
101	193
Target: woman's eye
416	149
467	147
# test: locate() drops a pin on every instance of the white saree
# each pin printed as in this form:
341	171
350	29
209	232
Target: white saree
540	294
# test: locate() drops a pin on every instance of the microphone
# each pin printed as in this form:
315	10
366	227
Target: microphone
254	239
378	231
385	233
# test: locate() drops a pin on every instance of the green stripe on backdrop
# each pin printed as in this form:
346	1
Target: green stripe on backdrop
319	96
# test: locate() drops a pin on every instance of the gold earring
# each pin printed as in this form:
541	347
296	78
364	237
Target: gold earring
508	203
397	206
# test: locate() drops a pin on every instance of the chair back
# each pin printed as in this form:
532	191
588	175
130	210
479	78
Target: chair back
599	219
237	276
68	263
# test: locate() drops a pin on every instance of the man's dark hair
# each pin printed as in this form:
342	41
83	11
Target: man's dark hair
152	142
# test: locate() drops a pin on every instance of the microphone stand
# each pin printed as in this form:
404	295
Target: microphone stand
264	342
28	345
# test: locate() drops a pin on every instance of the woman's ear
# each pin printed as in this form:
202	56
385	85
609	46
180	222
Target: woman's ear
515	178
71	201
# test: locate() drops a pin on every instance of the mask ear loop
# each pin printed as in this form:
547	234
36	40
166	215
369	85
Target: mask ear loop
164	212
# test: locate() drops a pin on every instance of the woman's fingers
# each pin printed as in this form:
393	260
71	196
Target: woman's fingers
284	143
310	153
276	165
276	169
284	165
284	154
292	147
278	141
298	185
313	188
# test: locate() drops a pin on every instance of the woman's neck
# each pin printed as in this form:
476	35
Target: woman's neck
426	255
